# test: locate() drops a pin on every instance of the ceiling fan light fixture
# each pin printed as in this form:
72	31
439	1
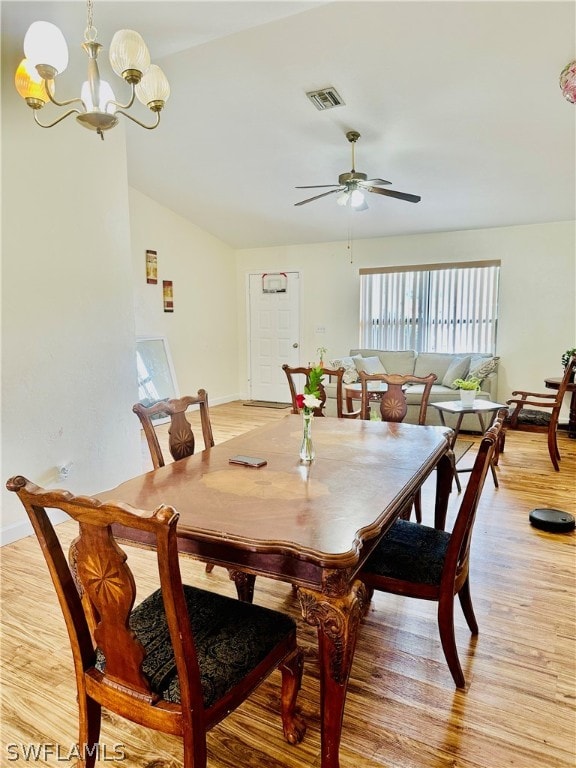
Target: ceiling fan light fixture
352	186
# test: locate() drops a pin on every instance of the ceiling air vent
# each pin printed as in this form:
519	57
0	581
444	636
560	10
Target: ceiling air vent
326	98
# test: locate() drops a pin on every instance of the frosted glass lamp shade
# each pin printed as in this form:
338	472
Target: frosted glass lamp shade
343	198
105	95
28	82
357	199
154	87
128	51
44	43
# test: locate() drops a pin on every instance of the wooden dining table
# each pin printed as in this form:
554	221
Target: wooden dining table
311	525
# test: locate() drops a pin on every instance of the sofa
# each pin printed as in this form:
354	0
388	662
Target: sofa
447	368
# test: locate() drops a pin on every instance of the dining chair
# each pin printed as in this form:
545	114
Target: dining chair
419	561
537	412
303	374
394	406
393	403
183	658
181	440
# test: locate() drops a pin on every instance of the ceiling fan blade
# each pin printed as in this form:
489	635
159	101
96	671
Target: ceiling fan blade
374	181
317	197
392	193
317	186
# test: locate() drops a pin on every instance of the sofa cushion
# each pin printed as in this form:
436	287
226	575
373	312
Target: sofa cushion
482	366
394	361
457	369
350	370
369	364
433	362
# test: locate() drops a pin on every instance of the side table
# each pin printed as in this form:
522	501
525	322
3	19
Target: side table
554	383
479	407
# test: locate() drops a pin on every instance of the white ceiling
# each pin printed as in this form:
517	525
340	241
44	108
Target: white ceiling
455	101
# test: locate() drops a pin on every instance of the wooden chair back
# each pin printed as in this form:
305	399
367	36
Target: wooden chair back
122	657
457	556
181	440
393	404
303	374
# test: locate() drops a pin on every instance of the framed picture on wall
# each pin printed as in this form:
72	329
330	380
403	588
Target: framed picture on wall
151	267
168	295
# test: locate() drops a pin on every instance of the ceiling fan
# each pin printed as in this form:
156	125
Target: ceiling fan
352	186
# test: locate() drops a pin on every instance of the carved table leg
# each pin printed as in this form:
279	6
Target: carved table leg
337	619
244	584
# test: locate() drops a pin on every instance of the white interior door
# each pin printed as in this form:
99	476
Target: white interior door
274	333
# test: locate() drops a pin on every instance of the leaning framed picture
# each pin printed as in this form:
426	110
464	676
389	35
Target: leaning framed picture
151	267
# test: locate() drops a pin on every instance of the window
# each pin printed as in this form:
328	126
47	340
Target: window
431	308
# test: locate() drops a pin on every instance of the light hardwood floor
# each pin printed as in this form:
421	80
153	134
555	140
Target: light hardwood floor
402	710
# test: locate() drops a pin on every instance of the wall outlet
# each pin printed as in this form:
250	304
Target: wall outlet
64	470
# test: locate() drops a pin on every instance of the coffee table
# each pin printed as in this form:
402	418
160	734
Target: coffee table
480	408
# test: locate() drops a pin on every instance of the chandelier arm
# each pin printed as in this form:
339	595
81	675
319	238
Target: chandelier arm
59	120
123	106
60	103
142	125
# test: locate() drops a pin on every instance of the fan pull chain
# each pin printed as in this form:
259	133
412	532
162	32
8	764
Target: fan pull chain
350	243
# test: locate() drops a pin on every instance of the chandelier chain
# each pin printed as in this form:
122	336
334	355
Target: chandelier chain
91	32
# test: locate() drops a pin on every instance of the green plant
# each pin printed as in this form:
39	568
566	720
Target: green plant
472	383
311	397
567	355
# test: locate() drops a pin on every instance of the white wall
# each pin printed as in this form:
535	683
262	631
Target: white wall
68	349
202	331
537	291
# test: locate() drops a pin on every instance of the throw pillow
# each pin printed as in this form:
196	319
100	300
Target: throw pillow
350	372
457	369
369	365
480	367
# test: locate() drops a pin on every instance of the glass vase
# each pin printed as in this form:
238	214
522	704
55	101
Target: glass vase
307	447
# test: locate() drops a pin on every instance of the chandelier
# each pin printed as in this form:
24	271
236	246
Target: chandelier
46	55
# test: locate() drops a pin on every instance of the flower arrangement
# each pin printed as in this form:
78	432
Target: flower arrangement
566	356
308	402
471	383
311	397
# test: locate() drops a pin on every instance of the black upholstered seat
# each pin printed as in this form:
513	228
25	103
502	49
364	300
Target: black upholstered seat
231	637
410	552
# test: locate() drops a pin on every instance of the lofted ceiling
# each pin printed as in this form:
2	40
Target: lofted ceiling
455	101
